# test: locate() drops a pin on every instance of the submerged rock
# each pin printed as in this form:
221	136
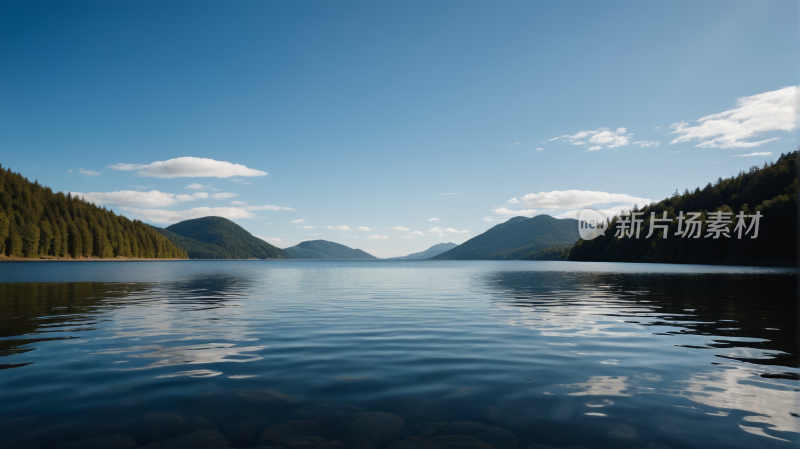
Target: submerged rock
114	441
544	446
426	427
458	442
414	443
163	426
245	433
493	436
307	442
373	430
300	428
204	439
335	444
548	433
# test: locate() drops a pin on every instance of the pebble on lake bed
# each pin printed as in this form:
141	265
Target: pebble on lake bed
493	436
115	441
301	428
373	430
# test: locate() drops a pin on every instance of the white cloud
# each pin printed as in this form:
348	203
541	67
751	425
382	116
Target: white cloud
496	219
135	198
752	116
89	172
646	143
238	203
306	227
363	228
200	195
174	216
767	153
272	240
339	228
611	139
400	228
69	171
418	233
608	212
514	213
224	195
434	219
540	149
376	236
299	220
657	127
513	201
437	231
190	167
197	186
598	138
570	199
313	234
268	207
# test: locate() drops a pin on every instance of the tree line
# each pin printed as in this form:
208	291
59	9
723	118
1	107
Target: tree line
769	191
37	222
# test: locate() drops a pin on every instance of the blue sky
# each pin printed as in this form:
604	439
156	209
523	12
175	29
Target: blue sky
384	115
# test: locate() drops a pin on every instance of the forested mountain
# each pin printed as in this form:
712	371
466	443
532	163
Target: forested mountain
516	238
434	250
323	249
769	191
220	238
558	252
36	222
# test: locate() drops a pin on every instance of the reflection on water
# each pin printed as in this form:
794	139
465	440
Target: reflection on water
558	354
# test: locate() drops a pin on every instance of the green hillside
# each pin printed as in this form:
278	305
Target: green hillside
434	250
323	249
220	238
770	190
37	222
516	238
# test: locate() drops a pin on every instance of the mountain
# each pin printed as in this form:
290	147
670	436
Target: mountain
516	238
323	249
770	191
434	250
36	222
220	238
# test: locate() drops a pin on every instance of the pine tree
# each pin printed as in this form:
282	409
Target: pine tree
31	240
4	230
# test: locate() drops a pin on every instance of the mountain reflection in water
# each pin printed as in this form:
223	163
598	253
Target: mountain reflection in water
560	354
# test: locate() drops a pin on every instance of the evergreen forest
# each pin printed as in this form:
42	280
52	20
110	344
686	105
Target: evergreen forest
36	222
769	191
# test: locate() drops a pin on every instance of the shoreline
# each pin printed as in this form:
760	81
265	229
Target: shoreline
55	259
65	259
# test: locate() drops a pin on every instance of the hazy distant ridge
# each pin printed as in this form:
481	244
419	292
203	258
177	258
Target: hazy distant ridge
434	250
323	249
515	238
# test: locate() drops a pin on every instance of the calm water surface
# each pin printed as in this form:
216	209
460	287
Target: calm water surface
599	355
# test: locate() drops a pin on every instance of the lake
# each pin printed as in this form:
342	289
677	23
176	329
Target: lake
451	354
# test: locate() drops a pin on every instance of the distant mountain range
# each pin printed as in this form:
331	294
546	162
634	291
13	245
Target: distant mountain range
516	238
323	249
220	238
434	250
